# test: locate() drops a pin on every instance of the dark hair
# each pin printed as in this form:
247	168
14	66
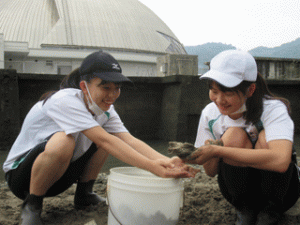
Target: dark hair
254	104
71	81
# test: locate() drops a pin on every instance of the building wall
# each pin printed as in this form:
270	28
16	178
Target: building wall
65	66
291	91
9	107
279	69
172	64
1	51
62	62
166	108
156	108
184	97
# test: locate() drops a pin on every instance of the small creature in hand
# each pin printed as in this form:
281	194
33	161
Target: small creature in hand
184	150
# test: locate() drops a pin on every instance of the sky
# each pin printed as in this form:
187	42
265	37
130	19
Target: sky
243	24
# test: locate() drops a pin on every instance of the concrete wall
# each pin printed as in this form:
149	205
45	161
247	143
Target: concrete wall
166	108
156	108
291	91
279	69
9	107
1	51
184	97
63	62
174	64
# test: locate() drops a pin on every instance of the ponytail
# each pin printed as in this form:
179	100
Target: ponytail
70	81
254	104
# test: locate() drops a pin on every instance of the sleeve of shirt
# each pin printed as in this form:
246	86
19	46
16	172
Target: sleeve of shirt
277	122
69	113
203	132
114	123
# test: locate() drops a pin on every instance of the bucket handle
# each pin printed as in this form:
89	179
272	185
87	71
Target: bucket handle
107	202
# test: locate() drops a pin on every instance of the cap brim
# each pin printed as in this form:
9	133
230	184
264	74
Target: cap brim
114	77
222	78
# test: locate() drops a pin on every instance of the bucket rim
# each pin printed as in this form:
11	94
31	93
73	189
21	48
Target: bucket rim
115	169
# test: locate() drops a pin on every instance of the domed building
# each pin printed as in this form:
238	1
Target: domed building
53	36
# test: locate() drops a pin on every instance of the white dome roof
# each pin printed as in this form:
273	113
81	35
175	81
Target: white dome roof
123	25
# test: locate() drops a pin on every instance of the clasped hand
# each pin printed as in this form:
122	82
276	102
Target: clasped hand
175	168
203	154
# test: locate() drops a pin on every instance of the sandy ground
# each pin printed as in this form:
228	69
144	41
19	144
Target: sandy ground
203	204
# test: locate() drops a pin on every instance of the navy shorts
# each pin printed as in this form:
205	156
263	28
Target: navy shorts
19	179
254	189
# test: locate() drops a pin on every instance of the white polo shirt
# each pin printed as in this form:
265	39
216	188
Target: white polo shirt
275	120
64	111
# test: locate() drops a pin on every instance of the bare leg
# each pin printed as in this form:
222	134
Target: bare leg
236	137
94	166
261	142
234	191
84	195
51	164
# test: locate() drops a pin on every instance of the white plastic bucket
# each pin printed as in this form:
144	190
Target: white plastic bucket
136	197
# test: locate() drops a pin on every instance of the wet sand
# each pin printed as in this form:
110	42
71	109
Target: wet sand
203	204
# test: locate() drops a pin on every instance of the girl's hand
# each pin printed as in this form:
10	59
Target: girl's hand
202	155
214	142
176	161
180	163
173	168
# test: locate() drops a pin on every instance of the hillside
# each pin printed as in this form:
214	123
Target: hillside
289	50
207	51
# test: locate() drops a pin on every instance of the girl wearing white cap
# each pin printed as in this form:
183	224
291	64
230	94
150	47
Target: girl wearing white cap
67	136
256	167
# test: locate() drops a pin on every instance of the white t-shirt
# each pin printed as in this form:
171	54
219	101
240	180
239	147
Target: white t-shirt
274	119
64	111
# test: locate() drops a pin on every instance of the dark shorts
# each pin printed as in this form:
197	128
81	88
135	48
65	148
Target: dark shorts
253	189
19	179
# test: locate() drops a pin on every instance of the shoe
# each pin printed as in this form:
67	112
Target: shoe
245	218
84	196
31	210
268	218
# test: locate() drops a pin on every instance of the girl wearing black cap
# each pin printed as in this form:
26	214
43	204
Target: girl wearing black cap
67	136
256	167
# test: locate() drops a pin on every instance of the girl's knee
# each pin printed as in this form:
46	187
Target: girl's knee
236	137
60	145
261	141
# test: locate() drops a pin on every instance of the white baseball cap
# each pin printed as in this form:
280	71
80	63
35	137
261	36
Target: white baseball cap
229	68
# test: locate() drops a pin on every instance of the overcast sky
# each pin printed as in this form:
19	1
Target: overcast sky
244	24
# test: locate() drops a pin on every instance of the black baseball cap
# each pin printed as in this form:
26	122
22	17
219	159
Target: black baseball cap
103	65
